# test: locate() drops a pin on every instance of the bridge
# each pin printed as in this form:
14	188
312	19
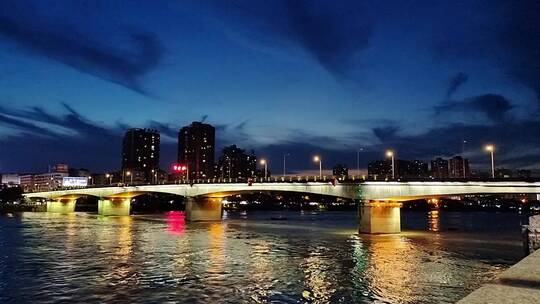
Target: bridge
379	202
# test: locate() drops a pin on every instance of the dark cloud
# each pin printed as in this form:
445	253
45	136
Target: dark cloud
164	129
503	33
520	40
386	132
494	107
512	138
44	138
333	33
81	52
455	83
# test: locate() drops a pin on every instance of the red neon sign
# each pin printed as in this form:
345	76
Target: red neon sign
179	168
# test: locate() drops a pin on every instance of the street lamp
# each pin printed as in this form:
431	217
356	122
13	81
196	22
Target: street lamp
265	164
128	173
491	150
390	153
284	162
317	158
358	160
109	176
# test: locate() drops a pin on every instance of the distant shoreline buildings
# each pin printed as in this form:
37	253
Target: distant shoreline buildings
456	167
196	160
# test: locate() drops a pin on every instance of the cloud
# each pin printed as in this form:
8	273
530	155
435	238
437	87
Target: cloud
501	34
332	33
165	129
520	40
455	83
81	52
494	107
386	132
512	138
43	138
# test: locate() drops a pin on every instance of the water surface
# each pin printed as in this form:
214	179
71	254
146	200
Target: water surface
306	257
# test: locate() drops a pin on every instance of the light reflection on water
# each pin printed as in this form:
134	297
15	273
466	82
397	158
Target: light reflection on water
310	257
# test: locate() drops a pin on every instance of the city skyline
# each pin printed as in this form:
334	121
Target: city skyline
421	94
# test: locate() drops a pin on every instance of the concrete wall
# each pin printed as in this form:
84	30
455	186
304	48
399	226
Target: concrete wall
114	206
375	217
61	206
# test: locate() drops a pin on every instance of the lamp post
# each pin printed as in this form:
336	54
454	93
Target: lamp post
109	176
265	164
491	150
284	163
128	173
317	158
390	154
358	160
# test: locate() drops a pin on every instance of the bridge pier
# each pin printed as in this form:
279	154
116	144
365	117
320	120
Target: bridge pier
203	209
379	217
114	206
61	206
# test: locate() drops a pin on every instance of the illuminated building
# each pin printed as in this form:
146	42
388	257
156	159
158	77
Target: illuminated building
44	181
27	182
196	149
380	169
340	171
439	168
140	155
236	163
10	180
523	173
413	169
459	167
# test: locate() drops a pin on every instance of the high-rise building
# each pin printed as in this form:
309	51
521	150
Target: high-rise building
380	169
196	149
140	155
340	171
439	168
412	169
459	167
236	163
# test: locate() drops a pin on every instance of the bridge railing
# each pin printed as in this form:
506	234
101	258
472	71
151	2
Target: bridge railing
282	179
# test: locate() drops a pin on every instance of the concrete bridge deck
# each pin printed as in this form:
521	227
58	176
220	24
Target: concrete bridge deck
378	201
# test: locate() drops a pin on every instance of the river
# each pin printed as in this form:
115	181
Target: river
251	257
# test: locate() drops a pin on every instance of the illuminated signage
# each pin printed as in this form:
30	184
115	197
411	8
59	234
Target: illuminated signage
179	168
74	181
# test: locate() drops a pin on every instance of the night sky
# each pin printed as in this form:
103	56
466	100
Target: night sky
298	77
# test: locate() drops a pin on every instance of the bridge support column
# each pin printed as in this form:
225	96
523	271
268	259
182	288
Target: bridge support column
114	206
203	209
379	217
61	206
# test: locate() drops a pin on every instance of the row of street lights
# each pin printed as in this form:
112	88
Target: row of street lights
316	158
489	148
389	153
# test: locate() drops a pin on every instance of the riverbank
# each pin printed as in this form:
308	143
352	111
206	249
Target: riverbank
31	207
519	284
